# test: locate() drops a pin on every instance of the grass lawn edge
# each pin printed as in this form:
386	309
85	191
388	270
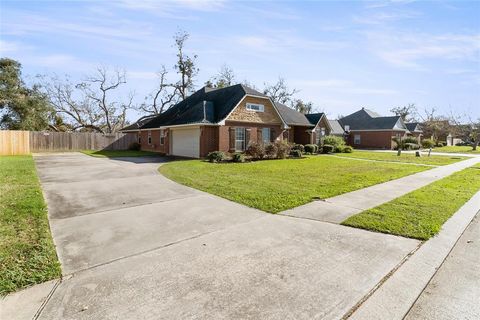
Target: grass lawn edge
421	214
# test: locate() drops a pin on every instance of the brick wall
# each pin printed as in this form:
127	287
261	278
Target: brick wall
302	136
373	139
224	132
208	140
155	143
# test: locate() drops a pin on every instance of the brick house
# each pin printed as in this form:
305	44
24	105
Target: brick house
415	130
225	119
368	129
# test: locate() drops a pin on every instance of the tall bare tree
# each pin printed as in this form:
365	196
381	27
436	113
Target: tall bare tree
88	105
162	98
185	66
279	92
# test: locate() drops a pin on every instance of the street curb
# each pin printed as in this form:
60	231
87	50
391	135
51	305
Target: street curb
396	296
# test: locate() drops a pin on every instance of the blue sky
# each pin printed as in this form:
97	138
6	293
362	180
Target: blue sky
340	55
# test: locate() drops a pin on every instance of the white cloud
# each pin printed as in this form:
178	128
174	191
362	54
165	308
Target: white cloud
410	50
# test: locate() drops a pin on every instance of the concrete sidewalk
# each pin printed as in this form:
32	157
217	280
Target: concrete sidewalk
339	208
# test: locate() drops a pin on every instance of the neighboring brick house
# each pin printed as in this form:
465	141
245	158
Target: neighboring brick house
225	119
368	129
415	130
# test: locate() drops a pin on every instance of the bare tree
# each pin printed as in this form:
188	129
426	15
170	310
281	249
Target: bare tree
408	112
279	92
164	96
224	78
87	105
185	66
302	107
435	126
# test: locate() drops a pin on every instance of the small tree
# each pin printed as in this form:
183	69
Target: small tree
408	112
21	107
224	78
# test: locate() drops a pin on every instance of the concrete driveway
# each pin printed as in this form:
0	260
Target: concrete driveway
134	244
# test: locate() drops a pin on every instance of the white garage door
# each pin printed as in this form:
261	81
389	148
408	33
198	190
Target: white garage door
186	142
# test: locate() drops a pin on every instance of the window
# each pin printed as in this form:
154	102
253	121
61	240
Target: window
266	135
347	128
255	107
356	139
162	137
239	139
139	139
149	137
320	133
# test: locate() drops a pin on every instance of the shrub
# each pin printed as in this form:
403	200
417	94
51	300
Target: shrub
428	143
311	148
296	153
283	149
410	140
216	156
441	144
334	141
238	157
256	151
271	150
411	146
347	149
135	146
338	149
298	147
327	148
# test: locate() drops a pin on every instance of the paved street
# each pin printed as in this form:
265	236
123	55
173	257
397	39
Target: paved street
134	243
454	291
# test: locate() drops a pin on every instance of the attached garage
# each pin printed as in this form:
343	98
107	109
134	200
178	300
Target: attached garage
185	142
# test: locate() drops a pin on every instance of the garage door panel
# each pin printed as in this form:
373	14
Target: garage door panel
186	142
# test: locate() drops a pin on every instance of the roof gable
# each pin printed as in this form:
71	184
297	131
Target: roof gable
363	120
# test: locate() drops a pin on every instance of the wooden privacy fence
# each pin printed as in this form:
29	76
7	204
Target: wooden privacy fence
25	142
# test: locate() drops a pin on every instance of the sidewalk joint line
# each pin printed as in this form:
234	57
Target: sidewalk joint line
352	310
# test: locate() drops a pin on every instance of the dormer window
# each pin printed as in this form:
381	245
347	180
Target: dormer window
347	128
255	107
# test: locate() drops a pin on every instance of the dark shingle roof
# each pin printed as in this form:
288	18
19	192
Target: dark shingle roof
413	127
336	127
314	117
363	120
138	124
207	105
291	116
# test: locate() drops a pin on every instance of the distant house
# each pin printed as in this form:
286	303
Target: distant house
337	129
226	119
415	130
368	129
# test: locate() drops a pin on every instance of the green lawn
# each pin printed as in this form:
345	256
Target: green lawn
27	253
457	149
277	185
118	153
404	157
420	214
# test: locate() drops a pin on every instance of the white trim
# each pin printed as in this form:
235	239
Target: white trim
261	107
328	123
